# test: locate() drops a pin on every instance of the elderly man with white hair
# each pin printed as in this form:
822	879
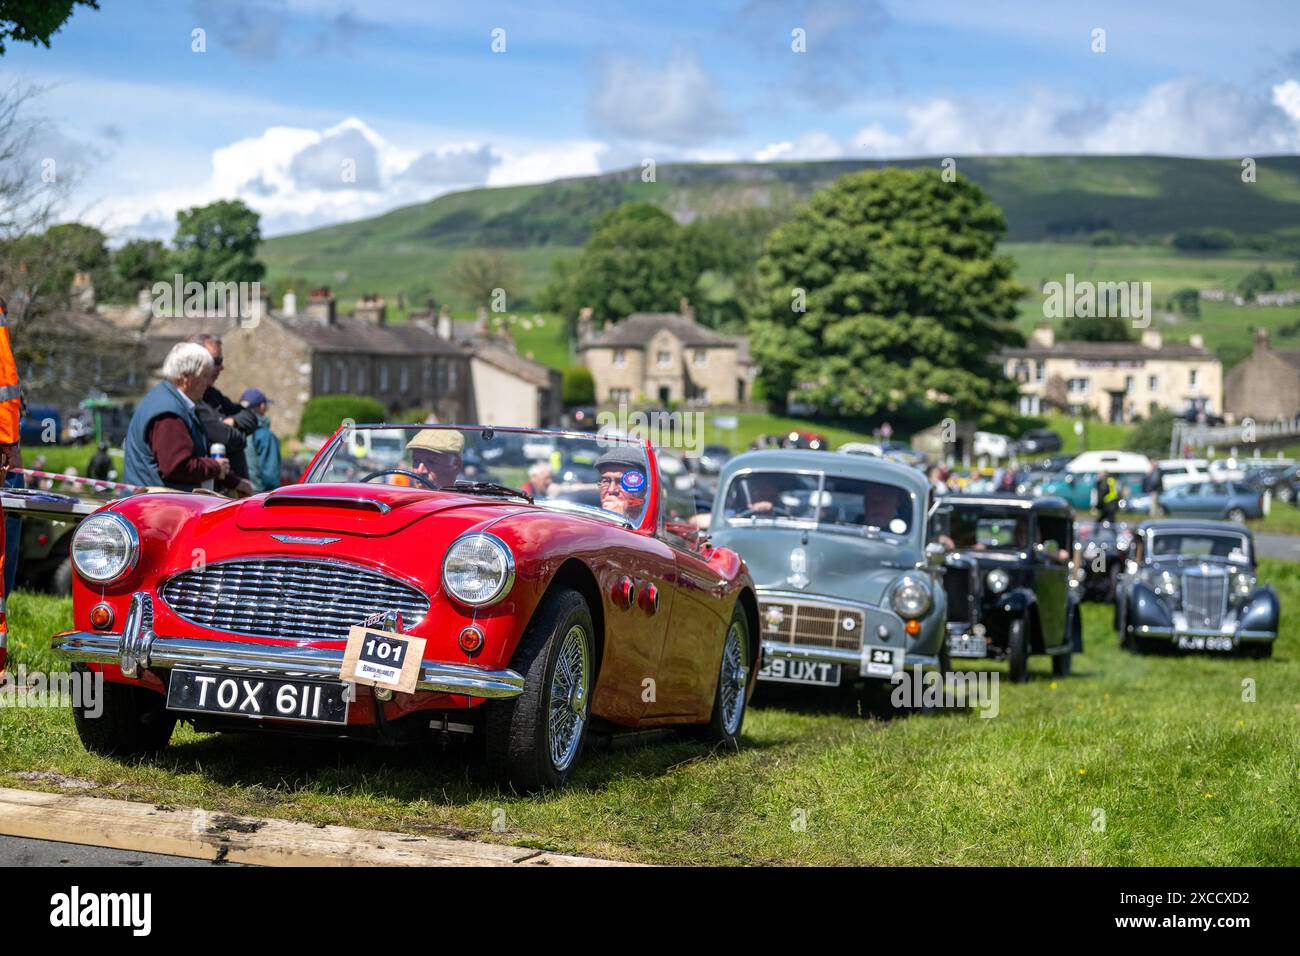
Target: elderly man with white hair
165	443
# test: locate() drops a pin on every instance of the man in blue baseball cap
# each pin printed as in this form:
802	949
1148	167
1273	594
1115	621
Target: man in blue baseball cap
265	468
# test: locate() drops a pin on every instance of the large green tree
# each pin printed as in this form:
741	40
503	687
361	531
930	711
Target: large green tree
218	243
140	263
885	293
633	262
35	21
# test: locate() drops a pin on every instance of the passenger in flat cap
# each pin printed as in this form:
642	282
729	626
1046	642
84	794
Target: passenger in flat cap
436	455
623	483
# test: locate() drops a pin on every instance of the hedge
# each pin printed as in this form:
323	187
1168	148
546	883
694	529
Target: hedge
323	414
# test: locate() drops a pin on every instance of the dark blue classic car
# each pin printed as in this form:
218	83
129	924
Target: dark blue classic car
1007	572
1190	585
836	547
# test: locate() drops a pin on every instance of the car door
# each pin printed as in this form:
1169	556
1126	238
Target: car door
688	669
1214	501
1052	575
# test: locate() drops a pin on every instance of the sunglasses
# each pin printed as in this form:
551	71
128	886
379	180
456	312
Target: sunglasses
218	361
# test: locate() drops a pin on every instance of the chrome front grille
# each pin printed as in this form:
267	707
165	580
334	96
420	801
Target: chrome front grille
1203	598
813	625
289	597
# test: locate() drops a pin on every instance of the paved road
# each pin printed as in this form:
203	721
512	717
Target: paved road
1285	546
20	851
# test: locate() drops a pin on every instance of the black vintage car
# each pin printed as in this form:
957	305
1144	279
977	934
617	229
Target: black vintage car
1190	585
1007	572
1100	550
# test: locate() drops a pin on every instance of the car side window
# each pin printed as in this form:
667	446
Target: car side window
1054	538
677	515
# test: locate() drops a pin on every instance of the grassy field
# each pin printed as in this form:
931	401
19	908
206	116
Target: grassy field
60	458
1165	752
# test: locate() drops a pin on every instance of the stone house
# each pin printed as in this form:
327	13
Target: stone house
406	365
662	357
1265	385
1119	381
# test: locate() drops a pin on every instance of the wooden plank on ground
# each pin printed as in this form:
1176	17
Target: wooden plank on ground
260	841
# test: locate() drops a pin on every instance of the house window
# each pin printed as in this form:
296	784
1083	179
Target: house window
324	377
1191	378
1022	372
1153	383
665	358
620	394
428	376
701	358
1080	385
361	377
403	378
451	375
1128	383
1040	371
343	376
383	376
620	358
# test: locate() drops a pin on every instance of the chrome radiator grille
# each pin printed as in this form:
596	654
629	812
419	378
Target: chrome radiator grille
814	625
288	597
1203	596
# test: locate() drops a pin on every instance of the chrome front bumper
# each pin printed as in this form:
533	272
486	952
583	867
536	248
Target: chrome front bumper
138	648
1173	633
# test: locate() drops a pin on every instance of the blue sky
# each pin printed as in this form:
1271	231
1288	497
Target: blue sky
318	111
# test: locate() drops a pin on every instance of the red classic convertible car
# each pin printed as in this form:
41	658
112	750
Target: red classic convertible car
544	607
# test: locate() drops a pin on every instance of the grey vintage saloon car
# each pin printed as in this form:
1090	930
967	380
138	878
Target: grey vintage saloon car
1190	585
836	547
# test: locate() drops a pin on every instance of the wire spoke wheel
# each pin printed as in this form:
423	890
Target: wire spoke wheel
570	688
733	677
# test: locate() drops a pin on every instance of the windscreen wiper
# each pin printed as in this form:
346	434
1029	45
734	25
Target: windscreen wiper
488	488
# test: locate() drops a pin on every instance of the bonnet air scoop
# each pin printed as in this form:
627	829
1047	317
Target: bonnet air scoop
348	502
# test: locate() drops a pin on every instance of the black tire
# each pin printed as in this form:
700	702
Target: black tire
1237	515
1121	625
134	723
1061	664
517	732
1018	652
1260	649
728	717
61	579
1285	494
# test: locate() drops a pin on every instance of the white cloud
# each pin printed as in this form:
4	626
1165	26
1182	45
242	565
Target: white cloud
1183	117
814	144
678	105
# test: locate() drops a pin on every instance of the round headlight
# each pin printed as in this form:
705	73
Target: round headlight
1243	584
478	569
997	580
911	598
105	548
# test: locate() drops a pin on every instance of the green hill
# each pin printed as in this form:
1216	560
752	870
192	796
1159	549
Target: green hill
1045	198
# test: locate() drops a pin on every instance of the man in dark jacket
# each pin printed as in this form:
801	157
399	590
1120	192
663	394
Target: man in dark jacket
226	422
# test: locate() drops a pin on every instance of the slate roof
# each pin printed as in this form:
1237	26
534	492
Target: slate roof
639	327
1108	351
356	336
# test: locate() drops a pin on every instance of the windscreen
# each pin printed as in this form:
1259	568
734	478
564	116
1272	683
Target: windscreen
603	475
825	500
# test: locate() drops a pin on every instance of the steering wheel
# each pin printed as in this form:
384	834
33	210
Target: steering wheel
776	511
401	471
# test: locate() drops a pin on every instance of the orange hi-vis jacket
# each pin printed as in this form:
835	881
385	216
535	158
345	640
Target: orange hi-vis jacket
10	411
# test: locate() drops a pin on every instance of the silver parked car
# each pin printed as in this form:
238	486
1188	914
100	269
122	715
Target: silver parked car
1231	500
836	546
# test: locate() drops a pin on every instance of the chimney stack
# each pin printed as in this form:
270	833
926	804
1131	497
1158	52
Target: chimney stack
320	306
290	307
1151	339
371	308
1043	335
